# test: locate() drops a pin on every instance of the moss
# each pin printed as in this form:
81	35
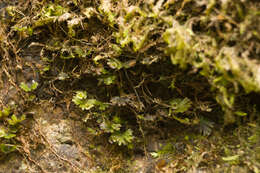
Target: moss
142	63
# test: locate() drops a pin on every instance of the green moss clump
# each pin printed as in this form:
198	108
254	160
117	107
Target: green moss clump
140	62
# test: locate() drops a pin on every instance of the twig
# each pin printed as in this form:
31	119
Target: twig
26	154
139	100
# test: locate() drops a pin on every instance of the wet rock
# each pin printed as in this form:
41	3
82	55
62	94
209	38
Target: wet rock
51	145
58	133
13	163
142	165
68	151
153	143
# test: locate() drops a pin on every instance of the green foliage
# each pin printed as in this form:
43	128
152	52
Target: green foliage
28	88
239	113
4	134
124	138
108	79
7	148
8	129
5	112
205	126
114	64
141	61
165	150
233	159
53	10
81	100
179	48
49	14
180	105
104	9
25	30
14	120
112	127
